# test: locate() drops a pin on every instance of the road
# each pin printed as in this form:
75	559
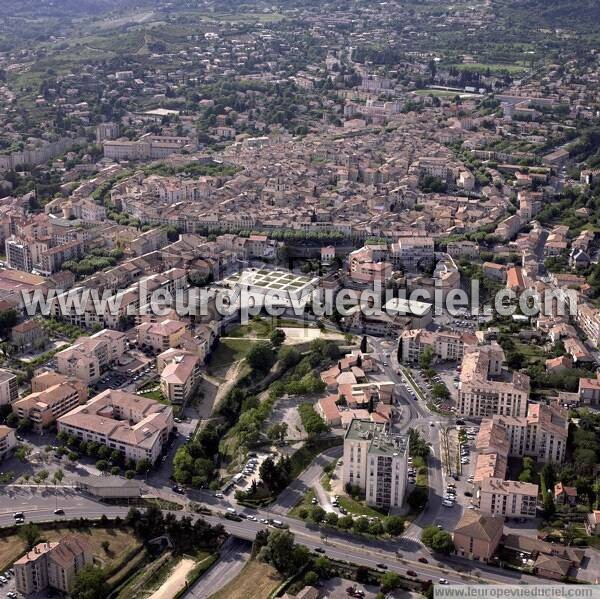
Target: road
234	554
338	545
416	415
307	480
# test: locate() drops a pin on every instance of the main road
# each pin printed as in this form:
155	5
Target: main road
39	506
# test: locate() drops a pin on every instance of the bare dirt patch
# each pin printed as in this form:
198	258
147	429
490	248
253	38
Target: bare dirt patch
176	580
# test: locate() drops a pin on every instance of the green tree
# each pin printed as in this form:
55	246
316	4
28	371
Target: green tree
426	358
389	581
427	535
394	525
317	514
30	533
260	356
332	518
90	584
277	337
548	507
442	542
440	391
364	345
277	432
102	465
361	525
283	554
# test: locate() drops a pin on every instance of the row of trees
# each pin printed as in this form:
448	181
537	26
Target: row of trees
392	525
185	535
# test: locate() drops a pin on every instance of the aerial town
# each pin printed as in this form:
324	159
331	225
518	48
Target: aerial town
298	299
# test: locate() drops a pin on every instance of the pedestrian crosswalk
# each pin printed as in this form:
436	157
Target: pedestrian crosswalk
410	538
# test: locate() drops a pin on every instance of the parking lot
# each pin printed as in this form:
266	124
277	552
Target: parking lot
7	585
129	377
250	472
458	442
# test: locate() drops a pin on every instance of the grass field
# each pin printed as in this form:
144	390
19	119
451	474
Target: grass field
121	543
305	502
438	93
229	351
249	17
533	354
359	508
256	580
494	67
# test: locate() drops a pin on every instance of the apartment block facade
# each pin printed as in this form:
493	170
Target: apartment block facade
8	441
179	376
411	254
9	389
54	565
43	408
88	357
446	345
376	461
486	388
508	498
135	426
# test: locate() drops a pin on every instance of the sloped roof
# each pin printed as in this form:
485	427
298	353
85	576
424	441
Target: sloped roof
477	526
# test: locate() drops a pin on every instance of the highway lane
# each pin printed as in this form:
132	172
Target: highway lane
336	545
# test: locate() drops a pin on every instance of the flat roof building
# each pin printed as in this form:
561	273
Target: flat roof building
375	460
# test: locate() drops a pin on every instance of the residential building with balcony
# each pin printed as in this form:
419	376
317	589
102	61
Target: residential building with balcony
160	336
9	389
43	408
180	375
508	498
135	426
54	565
487	389
8	441
375	460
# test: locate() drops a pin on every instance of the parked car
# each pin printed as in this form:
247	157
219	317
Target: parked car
423	560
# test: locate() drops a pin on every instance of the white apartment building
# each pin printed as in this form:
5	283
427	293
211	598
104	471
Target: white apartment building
136	426
376	460
588	318
9	389
487	389
446	345
508	498
542	434
410	254
18	255
179	376
8	440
